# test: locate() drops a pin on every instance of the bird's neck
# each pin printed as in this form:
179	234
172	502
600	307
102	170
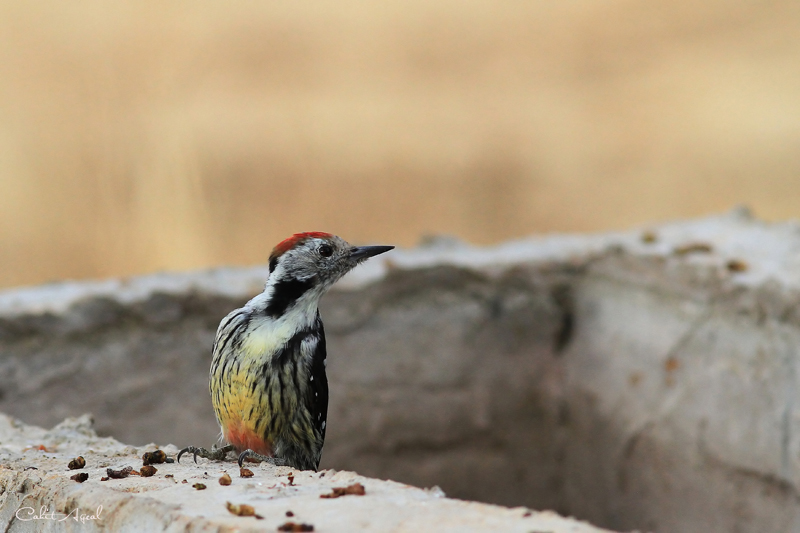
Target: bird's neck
289	300
274	321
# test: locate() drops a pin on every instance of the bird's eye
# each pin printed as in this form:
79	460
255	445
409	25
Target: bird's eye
325	250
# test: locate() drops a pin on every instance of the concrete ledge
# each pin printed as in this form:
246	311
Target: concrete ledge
37	494
640	380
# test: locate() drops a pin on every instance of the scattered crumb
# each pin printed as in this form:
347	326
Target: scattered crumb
170	475
148	471
294	526
153	458
291	478
119	474
737	265
245	472
184	481
649	237
356	489
289	513
241	509
527	514
104	478
671	364
80	478
77	463
199	486
692	248
41	448
225	479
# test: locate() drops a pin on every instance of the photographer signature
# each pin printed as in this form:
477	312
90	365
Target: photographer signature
25	514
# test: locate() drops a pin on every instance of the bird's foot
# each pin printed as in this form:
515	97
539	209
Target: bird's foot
254	457
216	454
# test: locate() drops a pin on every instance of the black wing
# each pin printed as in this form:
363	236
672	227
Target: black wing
318	399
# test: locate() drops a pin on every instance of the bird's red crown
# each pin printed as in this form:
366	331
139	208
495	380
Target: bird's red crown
298	238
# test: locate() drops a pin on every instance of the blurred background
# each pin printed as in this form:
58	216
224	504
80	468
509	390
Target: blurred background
142	136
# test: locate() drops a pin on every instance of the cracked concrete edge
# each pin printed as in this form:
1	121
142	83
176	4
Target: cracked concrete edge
713	385
163	503
766	256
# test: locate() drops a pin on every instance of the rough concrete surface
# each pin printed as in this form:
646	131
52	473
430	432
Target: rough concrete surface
37	494
640	380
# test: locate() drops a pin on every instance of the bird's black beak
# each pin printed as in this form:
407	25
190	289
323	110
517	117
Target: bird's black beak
365	252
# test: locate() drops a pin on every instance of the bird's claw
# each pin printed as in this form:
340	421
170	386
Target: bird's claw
216	454
257	457
188	449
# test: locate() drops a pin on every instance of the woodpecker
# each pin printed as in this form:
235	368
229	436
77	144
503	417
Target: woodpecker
267	379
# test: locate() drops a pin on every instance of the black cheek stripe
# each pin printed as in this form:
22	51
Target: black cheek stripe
285	293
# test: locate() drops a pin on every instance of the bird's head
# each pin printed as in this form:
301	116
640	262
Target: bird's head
319	257
306	264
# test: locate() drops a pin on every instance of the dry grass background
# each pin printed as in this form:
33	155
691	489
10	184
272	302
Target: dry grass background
141	135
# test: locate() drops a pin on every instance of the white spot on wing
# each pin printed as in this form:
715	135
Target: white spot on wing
308	347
